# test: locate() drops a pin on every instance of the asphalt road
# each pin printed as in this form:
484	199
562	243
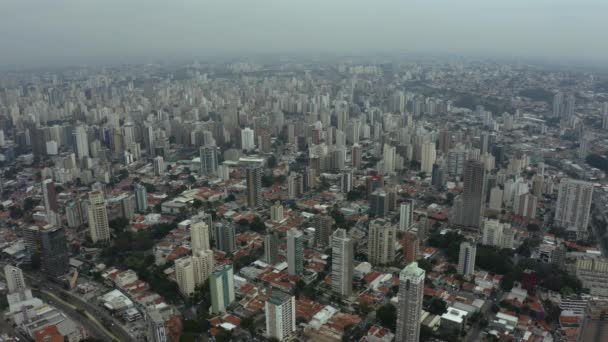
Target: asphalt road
98	314
94	328
94	315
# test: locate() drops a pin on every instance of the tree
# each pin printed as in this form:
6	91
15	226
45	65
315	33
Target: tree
272	162
196	204
16	212
119	224
387	315
533	227
257	225
191	179
437	306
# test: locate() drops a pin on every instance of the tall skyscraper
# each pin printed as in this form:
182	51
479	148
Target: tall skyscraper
225	237
82	142
594	326
295	252
558	103
466	258
342	256
411	247
322	225
221	283
14	279
356	156
98	217
280	311
254	186
271	248
141	197
199	236
247	139
346	181
49	195
406	215
159	166
54	254
209	162
381	242
573	206
470	207
379	203
409	307
428	155
389	159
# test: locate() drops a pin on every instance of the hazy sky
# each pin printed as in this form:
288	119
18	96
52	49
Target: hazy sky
51	31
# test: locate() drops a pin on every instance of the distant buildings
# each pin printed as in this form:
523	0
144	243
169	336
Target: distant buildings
280	310
409	307
222	289
98	217
342	263
573	206
381	242
466	258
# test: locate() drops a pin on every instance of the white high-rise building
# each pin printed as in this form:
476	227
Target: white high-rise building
184	274
428	156
497	234
409	307
295	252
276	212
203	263
82	142
342	263
209	163
573	206
381	242
14	279
159	166
389	159
99	227
199	236
466	259
247	139
406	215
280	311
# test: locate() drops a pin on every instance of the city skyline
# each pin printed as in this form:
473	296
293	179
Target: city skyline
65	32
